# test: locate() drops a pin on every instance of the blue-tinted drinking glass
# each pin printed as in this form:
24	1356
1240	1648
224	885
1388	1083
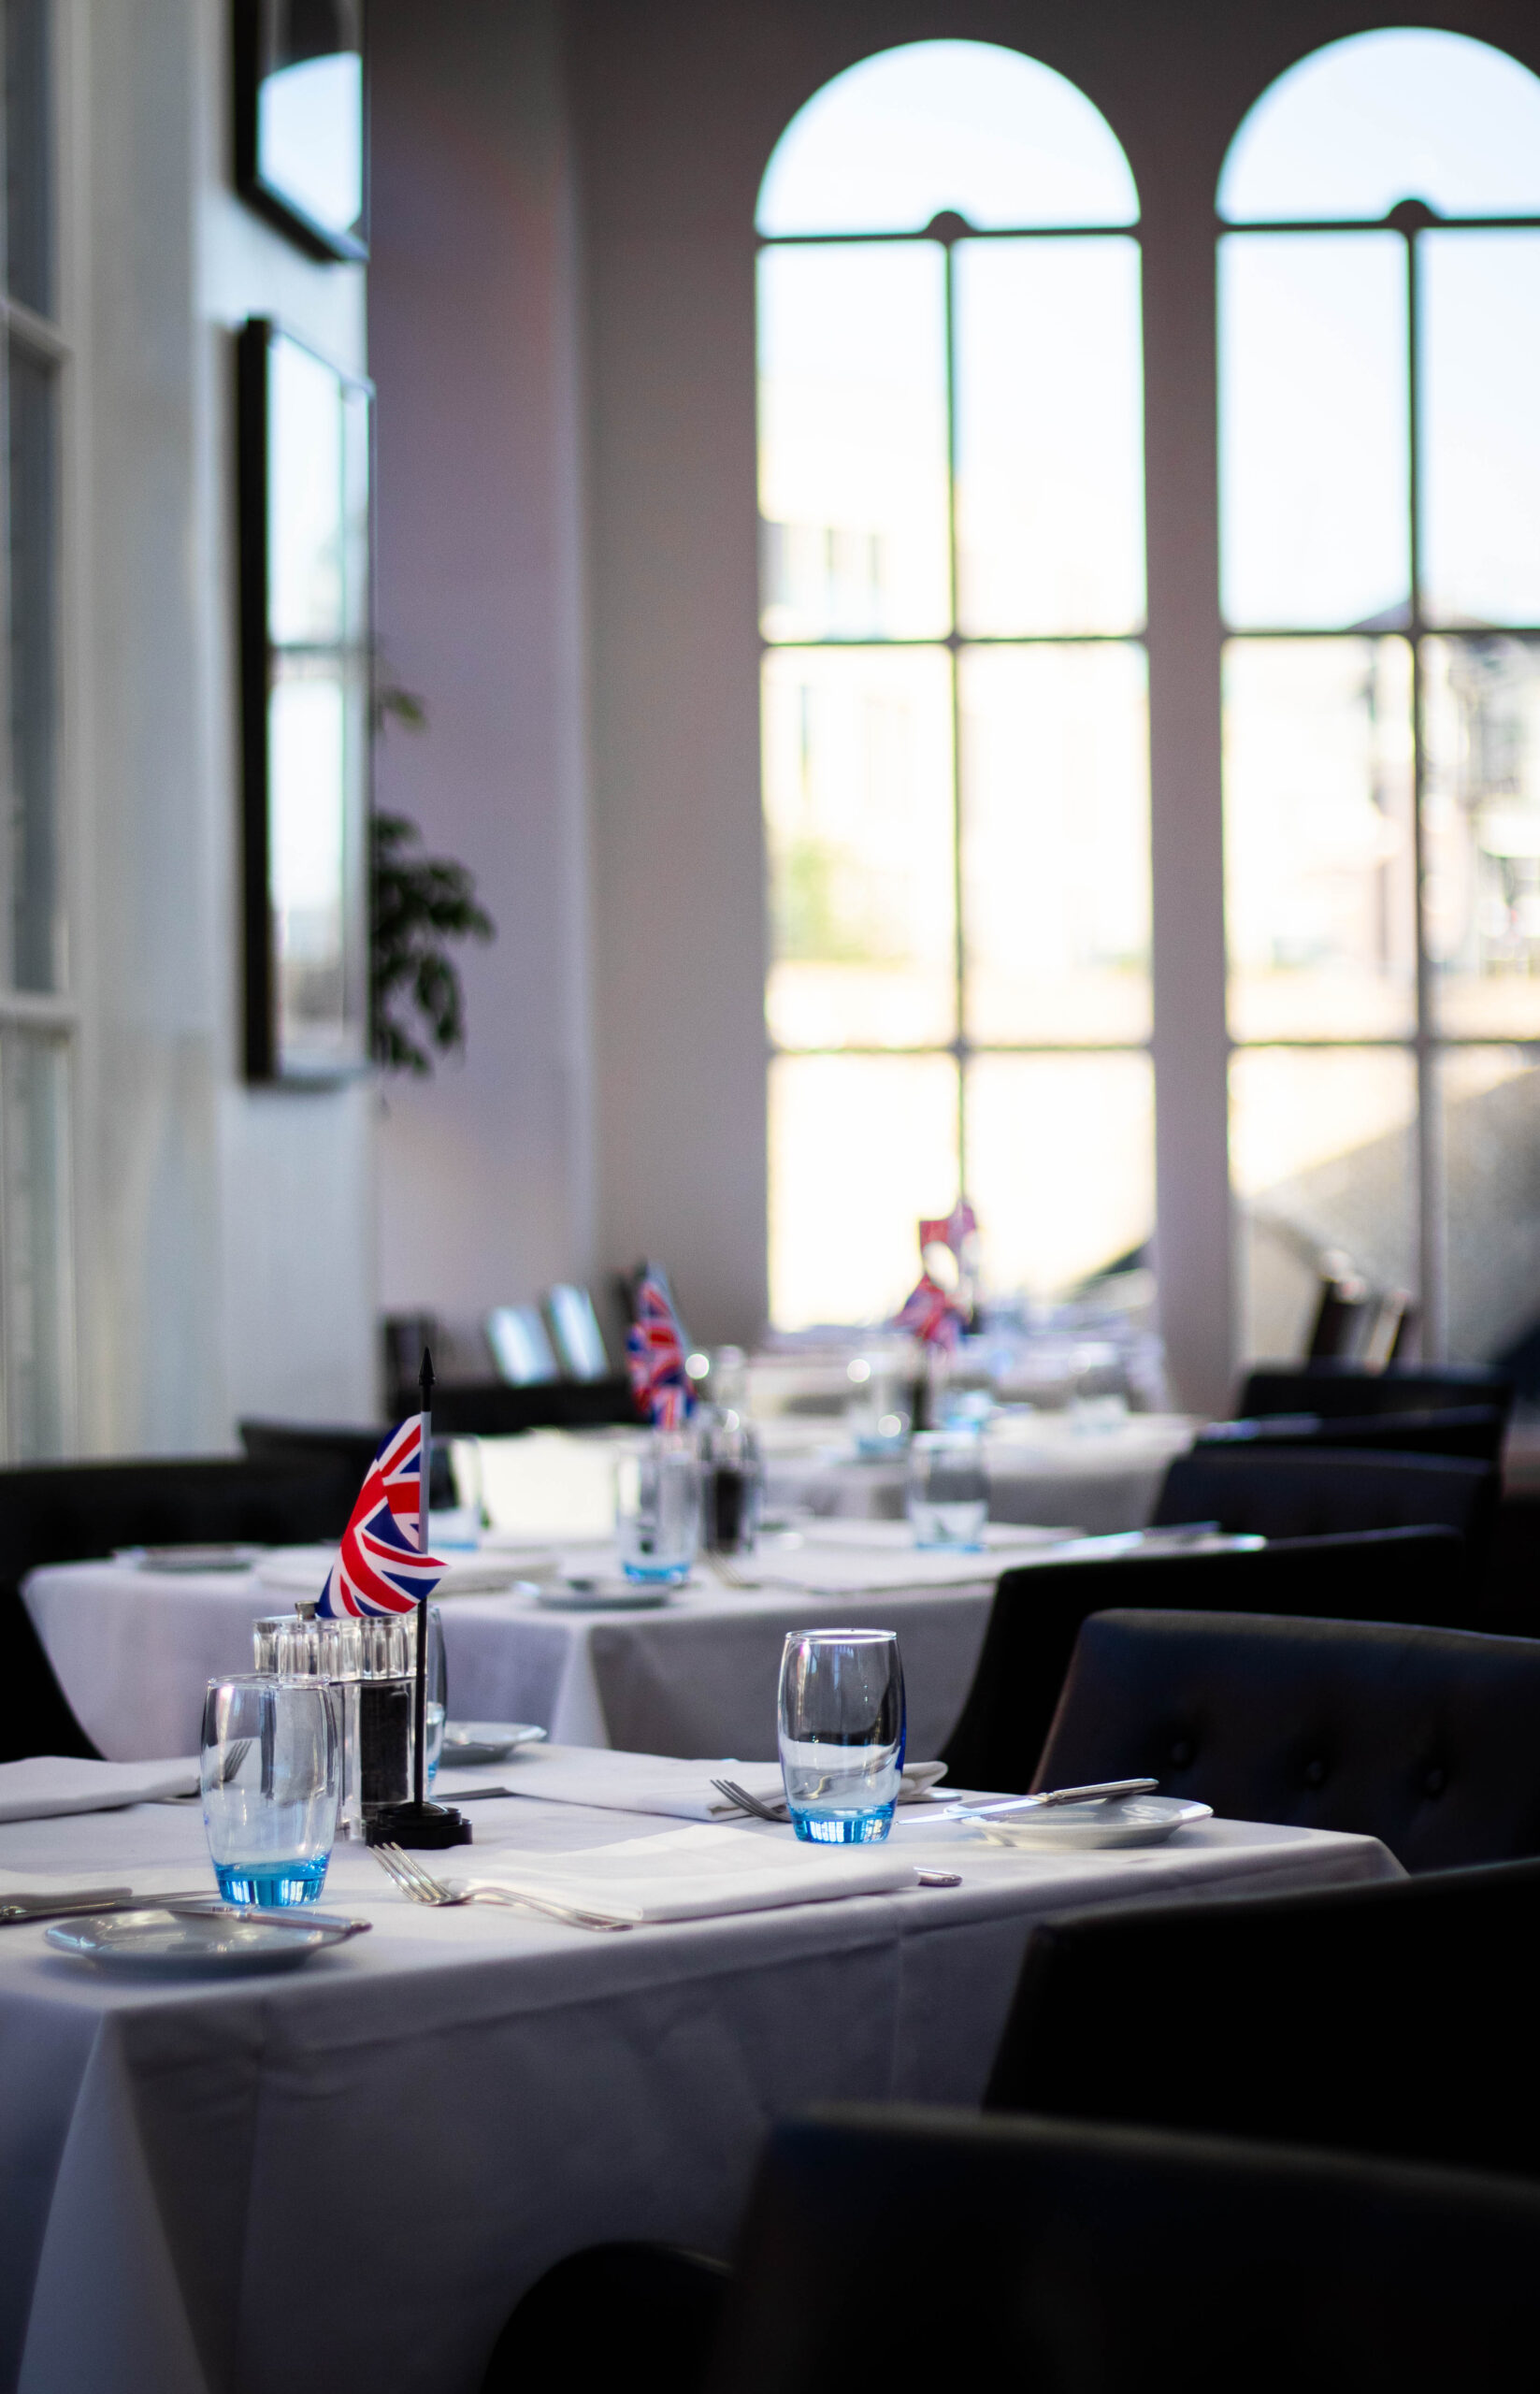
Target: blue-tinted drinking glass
842	1719
271	1777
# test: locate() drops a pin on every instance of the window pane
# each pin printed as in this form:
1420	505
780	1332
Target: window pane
1060	1165
1319	858
1323	1158
857	780
860	1148
1490	1108
36	922
29	164
308	768
1050	460
1481	834
1055	842
308	530
853	441
1480	338
946	124
1313	430
37	1294
1388	116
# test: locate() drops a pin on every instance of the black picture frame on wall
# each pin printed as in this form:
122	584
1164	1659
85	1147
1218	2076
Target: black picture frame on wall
304	519
301	120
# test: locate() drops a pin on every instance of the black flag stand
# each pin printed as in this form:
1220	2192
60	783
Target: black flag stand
420	1823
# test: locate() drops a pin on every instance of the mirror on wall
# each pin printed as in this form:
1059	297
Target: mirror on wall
304	505
300	150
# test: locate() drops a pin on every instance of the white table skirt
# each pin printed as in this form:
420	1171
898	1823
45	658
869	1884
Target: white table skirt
349	2176
133	1651
1050	1471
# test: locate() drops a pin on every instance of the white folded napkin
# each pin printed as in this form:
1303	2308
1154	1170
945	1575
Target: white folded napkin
823	1566
45	1785
623	1782
697	1873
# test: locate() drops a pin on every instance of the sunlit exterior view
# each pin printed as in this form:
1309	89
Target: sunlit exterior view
953	709
1380	529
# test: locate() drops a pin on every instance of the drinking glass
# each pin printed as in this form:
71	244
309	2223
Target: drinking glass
881	1408
271	1778
657	1507
732	1484
437	1690
948	1490
454	1495
842	1727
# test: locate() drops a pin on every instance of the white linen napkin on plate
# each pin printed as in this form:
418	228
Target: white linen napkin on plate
697	1873
621	1782
36	1789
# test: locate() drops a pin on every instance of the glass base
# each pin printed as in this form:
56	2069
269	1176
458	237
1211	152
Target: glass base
271	1882
843	1828
667	1574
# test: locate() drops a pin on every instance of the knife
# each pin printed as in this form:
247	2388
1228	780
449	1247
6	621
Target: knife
15	1911
1102	1791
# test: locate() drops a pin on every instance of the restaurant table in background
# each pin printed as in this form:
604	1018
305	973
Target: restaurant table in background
346	2177
1102	1472
134	1650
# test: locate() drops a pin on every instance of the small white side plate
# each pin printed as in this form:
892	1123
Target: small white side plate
605	1595
155	1943
472	1742
190	1558
1139	1819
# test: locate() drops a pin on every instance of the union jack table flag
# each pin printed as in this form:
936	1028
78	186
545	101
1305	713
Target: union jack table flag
930	1314
655	1353
380	1567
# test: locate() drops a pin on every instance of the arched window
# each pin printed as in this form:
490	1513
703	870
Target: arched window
1380	568
952	590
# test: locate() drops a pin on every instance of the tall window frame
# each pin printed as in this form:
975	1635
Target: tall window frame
952	234
38	1011
1423	631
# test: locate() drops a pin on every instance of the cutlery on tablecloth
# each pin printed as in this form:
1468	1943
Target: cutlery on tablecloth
1102	1791
15	1911
478	1794
421	1887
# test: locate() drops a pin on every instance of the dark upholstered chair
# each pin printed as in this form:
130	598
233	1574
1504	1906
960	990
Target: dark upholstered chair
1473	1431
69	1512
1386	1575
1325	1491
1423	1737
1348	1391
1396	2018
1053	2258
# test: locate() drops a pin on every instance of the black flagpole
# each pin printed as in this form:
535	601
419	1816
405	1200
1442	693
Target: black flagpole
418	1822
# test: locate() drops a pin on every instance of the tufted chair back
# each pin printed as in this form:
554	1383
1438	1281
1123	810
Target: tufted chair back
1426	1738
1323	1492
1316	2010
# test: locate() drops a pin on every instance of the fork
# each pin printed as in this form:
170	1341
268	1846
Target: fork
421	1887
777	1814
730	1574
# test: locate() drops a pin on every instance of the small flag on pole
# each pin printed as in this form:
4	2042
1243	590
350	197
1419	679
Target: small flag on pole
931	1315
381	1567
655	1353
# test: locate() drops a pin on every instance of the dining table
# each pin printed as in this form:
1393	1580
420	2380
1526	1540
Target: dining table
134	1647
348	2175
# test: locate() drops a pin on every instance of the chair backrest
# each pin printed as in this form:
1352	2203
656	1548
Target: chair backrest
1307	2018
321	1445
1058	2258
1346	1389
69	1512
1475	1431
1341	1315
1422	1738
1381	1574
1325	1490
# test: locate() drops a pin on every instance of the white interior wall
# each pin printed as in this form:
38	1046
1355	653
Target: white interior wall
224	1234
486	1178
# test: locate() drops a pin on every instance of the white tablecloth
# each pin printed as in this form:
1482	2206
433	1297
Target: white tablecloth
134	1650
347	2177
1048	1469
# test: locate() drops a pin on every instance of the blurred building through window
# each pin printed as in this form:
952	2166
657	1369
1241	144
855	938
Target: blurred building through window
956	782
1379	322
